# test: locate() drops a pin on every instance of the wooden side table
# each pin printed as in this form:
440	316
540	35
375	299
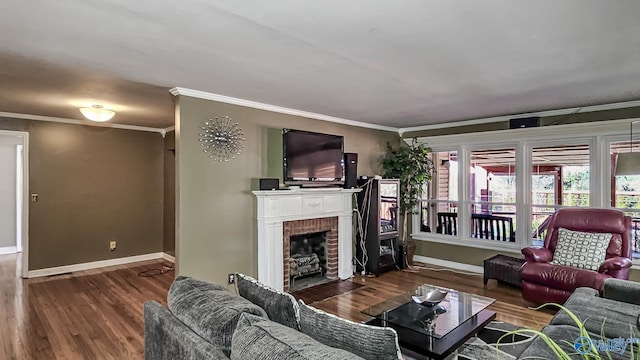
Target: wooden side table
503	268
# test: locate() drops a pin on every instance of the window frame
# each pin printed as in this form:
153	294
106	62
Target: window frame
598	135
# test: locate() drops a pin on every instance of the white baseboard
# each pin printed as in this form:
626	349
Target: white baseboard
8	250
449	264
168	257
93	265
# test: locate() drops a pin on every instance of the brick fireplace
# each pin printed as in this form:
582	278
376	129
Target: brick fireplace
307	226
304	211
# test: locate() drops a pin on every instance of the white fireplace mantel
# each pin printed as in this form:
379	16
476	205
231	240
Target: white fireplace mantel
277	206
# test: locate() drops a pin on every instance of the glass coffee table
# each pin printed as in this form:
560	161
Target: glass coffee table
432	332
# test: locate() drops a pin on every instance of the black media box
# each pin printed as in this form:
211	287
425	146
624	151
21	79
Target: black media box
269	184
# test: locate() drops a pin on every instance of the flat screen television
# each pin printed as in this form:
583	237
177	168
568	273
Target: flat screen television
312	159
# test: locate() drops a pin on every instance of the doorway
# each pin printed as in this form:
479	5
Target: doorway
14	188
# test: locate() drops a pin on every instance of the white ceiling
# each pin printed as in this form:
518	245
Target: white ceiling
393	63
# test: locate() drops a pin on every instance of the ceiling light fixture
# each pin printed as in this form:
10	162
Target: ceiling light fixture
97	113
628	163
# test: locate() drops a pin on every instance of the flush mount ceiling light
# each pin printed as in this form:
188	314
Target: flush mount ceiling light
97	113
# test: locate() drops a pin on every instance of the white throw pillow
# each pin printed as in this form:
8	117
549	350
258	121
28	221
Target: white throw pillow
581	250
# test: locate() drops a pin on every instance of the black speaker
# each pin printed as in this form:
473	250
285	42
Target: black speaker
401	260
350	170
269	184
527	122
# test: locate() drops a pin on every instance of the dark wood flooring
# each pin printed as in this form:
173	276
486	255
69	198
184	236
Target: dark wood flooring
97	314
325	291
509	305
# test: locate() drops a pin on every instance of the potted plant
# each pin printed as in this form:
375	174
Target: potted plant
412	165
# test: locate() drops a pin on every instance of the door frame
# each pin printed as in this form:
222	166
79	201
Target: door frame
24	241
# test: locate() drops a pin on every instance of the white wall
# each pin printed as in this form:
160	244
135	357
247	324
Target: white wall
8	216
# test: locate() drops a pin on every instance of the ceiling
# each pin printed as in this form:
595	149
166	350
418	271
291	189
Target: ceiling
390	63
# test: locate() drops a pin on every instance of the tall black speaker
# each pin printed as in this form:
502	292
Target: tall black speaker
401	259
350	170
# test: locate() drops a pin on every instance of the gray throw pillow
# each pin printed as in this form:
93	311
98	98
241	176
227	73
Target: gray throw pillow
209	309
581	250
280	307
257	338
369	342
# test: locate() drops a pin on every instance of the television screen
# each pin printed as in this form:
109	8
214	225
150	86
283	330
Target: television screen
312	157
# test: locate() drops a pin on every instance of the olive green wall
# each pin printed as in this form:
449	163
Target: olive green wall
472	256
627	113
95	185
216	211
169	222
460	254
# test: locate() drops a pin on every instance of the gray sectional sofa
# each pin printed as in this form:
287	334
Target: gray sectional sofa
616	315
206	321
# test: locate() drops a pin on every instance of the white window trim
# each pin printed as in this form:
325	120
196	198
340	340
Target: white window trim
598	135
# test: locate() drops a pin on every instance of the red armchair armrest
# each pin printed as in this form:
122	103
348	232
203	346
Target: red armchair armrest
615	263
540	255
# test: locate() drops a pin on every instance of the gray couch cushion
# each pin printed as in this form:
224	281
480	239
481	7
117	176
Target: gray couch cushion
280	307
622	290
615	318
257	338
369	342
208	309
561	333
167	338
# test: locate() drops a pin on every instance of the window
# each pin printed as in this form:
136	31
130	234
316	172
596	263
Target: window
625	192
560	177
518	178
439	206
492	194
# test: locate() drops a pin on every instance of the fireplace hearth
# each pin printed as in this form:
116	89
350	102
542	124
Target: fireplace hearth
314	241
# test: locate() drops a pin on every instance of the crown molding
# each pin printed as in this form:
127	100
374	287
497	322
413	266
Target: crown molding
166	130
580	109
78	122
279	109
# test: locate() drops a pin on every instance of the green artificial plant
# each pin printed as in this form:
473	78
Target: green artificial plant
412	165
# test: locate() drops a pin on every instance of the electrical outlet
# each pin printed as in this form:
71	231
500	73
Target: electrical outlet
112	245
232	278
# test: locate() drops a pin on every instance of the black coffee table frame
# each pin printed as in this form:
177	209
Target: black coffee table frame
422	347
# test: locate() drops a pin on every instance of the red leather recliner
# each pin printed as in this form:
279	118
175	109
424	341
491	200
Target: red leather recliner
543	282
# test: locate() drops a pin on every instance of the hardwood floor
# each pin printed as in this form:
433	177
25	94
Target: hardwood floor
509	306
94	314
97	314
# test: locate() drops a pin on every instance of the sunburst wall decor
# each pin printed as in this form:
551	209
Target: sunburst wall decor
221	138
